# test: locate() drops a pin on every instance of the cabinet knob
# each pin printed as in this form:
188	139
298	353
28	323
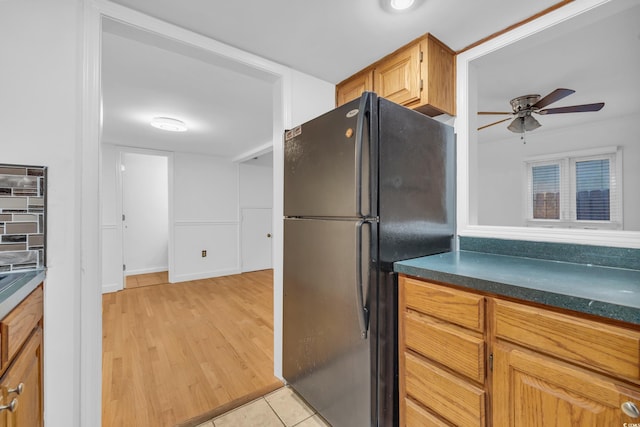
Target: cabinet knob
18	390
630	409
12	406
268	234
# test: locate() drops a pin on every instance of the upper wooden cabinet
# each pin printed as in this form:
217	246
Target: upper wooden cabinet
420	75
354	86
398	76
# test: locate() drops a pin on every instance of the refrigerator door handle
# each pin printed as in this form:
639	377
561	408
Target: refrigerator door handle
364	106
363	312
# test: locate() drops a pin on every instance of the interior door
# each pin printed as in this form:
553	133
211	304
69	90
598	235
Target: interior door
256	239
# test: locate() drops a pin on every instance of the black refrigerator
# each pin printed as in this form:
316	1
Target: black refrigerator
365	185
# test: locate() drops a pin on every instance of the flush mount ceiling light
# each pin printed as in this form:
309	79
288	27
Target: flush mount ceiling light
401	4
169	124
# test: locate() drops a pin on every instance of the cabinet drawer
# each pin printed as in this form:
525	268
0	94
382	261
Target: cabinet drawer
612	349
416	416
445	344
458	307
445	394
18	325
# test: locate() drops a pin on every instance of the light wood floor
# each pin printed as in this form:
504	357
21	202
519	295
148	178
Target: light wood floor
139	280
174	352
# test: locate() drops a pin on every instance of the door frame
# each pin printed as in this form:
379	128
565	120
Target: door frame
122	150
89	391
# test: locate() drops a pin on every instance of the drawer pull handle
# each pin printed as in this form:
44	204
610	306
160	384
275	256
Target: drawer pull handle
630	409
11	406
18	390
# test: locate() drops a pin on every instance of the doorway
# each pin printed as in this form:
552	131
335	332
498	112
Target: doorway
282	81
145	218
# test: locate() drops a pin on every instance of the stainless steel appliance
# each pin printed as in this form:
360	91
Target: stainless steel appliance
365	185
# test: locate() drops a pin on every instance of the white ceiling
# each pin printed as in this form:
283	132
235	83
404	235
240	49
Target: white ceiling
229	108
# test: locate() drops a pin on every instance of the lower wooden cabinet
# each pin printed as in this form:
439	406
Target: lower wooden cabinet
530	389
509	363
21	382
442	356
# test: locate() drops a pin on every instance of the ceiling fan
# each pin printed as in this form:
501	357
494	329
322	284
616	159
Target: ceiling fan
524	106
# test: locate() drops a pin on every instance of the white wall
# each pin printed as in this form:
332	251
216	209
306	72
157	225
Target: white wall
39	119
145	189
310	97
256	186
205	208
501	178
40	82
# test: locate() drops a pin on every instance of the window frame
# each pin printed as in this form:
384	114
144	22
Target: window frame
568	188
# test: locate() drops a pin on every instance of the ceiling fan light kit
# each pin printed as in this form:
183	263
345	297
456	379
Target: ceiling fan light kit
522	124
524	106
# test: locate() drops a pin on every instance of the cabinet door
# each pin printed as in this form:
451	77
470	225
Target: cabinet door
530	389
353	87
439	75
4	412
26	369
397	78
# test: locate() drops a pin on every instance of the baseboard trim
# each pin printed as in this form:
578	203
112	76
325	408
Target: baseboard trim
204	275
111	287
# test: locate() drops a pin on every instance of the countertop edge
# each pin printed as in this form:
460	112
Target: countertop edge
24	289
583	305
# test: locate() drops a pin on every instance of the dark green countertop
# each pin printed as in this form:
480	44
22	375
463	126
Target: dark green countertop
16	286
602	291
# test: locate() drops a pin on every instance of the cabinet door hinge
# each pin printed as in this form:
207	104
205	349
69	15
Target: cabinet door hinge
123	217
491	362
124	267
421	55
421	84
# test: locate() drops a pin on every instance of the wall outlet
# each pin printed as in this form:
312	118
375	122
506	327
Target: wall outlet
204	254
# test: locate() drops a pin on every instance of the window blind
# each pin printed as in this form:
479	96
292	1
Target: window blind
546	191
593	190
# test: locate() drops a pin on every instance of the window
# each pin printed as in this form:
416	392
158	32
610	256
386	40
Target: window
575	189
545	180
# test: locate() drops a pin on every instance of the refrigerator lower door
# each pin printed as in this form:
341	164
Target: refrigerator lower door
326	358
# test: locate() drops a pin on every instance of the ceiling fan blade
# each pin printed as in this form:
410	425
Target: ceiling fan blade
485	113
494	123
554	96
573	109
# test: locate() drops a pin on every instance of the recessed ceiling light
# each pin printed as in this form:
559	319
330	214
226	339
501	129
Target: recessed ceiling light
401	4
167	123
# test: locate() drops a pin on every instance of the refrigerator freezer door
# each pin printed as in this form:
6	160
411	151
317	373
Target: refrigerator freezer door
321	163
325	357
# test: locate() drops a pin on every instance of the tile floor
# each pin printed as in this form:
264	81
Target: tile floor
282	407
